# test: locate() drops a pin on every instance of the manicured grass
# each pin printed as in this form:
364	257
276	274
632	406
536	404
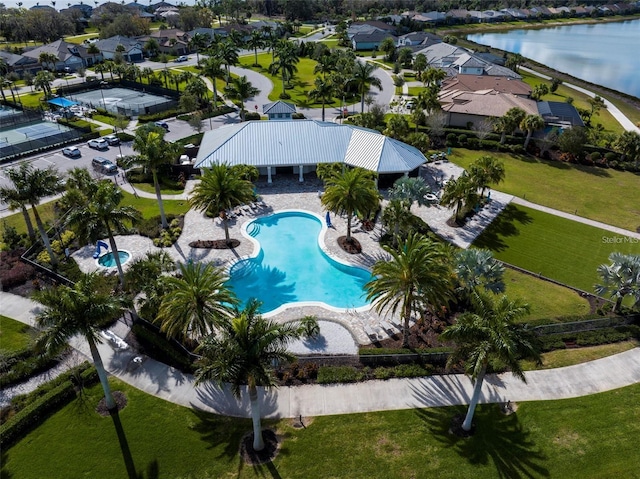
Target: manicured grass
149	207
561	249
14	335
604	195
165	188
298	88
109	120
32	99
16	220
78	39
585	437
547	300
568	357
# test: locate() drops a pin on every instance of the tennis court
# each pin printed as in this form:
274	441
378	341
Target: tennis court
124	101
33	136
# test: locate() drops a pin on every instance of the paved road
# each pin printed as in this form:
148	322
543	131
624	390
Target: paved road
318	400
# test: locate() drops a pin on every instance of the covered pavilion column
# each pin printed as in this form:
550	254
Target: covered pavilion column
269	180
301	174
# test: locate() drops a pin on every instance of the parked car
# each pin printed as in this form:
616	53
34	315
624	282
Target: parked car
162	124
182	58
99	144
103	165
72	152
113	140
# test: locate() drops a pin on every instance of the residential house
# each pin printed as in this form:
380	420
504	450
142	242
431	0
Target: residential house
418	40
279	110
560	114
370	26
467	108
132	48
170	40
499	84
370	40
19	63
70	56
431	17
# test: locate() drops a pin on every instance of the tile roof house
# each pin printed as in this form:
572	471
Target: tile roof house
472	107
485	82
69	55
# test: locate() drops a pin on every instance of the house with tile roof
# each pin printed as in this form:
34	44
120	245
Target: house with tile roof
500	84
472	107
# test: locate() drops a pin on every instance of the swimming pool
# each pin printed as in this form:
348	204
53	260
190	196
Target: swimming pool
108	260
290	266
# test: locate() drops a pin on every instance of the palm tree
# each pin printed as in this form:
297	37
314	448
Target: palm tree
486	171
48	60
509	122
79	311
364	79
477	267
212	69
94	51
240	90
255	42
147	73
621	278
30	186
458	193
323	92
242	353
228	53
101	68
221	189
198	42
153	153
489	333
196	302
352	191
42	81
409	190
433	76
287	54
14	197
420	65
147	275
196	87
103	216
396	217
531	123
417	274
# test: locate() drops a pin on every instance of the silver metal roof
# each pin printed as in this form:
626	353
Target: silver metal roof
306	142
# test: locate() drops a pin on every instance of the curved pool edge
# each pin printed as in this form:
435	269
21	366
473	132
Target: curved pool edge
97	260
321	243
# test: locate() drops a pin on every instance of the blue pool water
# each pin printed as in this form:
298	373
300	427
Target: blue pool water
291	267
109	261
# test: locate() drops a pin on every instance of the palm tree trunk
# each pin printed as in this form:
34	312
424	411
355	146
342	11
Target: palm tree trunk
102	374
44	236
215	94
349	215
27	220
156	185
258	442
362	101
284	90
616	306
116	256
323	109
526	142
407	317
503	137
223	215
256	52
477	388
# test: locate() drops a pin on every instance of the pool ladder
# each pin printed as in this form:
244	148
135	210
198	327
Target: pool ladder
255	229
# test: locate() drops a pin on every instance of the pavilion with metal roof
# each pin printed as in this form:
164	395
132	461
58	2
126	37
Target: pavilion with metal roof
298	146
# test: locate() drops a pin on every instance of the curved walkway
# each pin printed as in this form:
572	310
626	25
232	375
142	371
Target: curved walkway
318	400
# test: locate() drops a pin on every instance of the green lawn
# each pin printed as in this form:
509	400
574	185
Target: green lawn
554	247
585	437
605	195
14	335
299	86
568	357
547	300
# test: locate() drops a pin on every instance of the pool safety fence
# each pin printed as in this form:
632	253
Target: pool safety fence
587	325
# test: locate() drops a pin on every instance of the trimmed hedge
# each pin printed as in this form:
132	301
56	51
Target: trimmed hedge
21	365
591	338
351	374
43	402
385	351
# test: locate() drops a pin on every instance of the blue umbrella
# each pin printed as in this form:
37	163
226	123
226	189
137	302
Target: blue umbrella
328	220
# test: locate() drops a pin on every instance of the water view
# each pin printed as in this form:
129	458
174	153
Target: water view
600	53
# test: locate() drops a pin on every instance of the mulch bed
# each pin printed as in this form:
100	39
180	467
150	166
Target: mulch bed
121	403
352	246
456	427
215	244
268	454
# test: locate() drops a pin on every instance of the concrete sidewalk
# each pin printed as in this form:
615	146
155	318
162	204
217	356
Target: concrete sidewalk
172	385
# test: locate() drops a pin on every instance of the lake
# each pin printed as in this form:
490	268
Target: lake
600	53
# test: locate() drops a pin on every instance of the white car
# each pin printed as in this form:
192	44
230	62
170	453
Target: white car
99	144
182	58
72	152
112	140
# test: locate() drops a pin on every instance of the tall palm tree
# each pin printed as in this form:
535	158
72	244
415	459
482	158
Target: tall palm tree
396	218
42	81
255	42
227	51
15	199
153	153
30	186
212	69
288	58
48	61
104	216
94	51
417	275
198	42
531	123
323	92
196	87
458	193
364	79
147	73
486	171
196	302
621	278
146	275
352	191
241	89
489	333
220	189
242	353
507	124
79	311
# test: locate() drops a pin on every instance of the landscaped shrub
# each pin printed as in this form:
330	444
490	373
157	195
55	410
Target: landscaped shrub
462	140
451	140
340	374
489	144
309	327
157	346
21	365
297	116
13	271
161	115
251	116
36	411
591	338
